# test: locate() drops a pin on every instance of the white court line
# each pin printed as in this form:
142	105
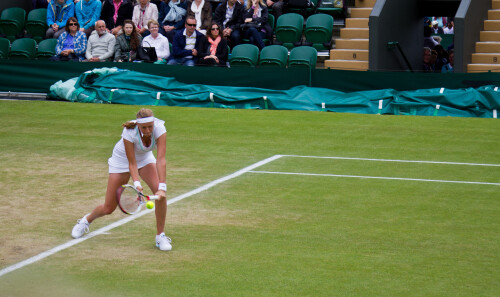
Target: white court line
377	177
389	160
133	217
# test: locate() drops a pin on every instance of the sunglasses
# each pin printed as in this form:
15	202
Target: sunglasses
215	28
72	24
191	25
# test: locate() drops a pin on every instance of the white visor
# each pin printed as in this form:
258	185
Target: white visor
145	120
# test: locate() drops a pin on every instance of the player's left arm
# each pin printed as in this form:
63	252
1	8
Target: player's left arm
161	162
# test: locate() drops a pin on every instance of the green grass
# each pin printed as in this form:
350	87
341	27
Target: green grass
257	234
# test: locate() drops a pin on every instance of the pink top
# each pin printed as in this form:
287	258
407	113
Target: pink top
117	6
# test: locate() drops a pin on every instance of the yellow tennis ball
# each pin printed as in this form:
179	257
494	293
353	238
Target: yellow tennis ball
150	204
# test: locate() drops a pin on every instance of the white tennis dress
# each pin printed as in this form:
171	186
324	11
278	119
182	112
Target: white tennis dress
118	163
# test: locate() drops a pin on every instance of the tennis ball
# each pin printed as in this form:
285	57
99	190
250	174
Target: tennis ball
150	204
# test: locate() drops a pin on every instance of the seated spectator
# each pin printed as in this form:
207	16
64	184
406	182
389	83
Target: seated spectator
144	11
71	45
172	16
101	44
449	29
436	29
87	12
201	10
255	26
114	12
428	65
441	58
186	44
450	67
229	16
127	43
213	49
158	41
278	6
428	40
58	13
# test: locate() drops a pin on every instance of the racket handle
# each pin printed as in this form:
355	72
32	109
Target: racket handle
153	197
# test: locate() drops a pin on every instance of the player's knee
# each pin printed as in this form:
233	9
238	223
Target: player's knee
108	209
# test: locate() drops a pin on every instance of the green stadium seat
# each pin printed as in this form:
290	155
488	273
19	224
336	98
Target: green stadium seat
12	22
24	48
244	55
303	56
289	30
36	24
318	31
307	11
4	48
46	48
274	56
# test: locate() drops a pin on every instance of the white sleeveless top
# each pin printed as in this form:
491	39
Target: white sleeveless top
118	163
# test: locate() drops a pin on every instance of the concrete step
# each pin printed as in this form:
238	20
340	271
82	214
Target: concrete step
489	36
492	25
356	23
494	14
496	4
365	3
482	67
352	44
493	58
346	65
361	12
354	33
488	47
349	54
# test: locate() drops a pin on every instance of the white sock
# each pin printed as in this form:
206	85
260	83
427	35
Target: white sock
84	219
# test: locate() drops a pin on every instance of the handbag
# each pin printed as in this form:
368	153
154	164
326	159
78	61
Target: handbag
249	25
147	54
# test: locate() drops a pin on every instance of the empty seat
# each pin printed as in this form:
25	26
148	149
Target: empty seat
303	56
318	31
12	22
4	48
274	55
36	24
289	30
46	48
24	48
244	55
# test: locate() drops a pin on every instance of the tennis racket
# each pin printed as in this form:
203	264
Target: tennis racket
130	200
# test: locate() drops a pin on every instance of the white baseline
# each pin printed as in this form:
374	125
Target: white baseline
133	217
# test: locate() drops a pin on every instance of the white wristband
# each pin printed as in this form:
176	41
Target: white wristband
137	184
162	187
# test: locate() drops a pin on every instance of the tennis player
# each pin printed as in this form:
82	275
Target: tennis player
133	157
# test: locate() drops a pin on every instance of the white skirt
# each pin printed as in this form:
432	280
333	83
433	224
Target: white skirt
120	165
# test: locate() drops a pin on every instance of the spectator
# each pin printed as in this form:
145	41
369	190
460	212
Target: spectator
441	59
440	20
255	26
428	40
450	67
186	44
428	66
277	6
114	12
58	13
71	45
229	16
101	44
127	43
144	11
158	41
436	29
450	28
201	10
172	16
213	49
87	12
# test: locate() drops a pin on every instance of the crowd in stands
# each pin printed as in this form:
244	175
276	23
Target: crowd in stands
436	57
183	32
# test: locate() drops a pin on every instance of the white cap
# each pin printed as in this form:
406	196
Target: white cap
434	23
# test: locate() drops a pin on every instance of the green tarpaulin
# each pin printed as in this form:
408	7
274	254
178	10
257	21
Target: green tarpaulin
112	85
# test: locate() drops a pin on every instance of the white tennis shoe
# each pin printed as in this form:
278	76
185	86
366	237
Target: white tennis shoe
163	242
81	227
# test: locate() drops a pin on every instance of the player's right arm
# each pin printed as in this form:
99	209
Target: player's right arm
132	162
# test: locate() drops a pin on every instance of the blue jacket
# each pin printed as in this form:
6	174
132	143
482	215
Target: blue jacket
179	44
67	11
88	13
79	42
